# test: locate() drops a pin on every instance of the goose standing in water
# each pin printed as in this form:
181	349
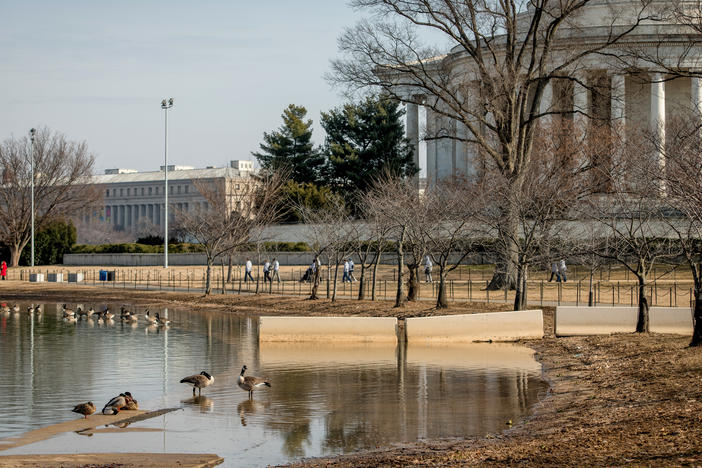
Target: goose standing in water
81	313
86	409
249	384
164	322
199	381
150	319
67	312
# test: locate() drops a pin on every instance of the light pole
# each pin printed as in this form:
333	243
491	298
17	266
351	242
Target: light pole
32	133
165	105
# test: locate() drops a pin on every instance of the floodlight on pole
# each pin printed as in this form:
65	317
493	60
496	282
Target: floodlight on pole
165	105
32	133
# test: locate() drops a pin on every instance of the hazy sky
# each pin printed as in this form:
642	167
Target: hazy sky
97	70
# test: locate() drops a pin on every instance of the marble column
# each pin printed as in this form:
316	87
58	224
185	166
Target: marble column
658	118
431	148
547	103
696	94
412	129
618	102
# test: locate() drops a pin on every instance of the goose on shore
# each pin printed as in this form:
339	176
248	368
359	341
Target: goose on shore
249	384
199	381
86	409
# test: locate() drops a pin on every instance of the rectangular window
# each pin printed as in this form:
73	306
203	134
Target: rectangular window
150	190
142	191
156	190
186	189
128	190
170	190
121	192
179	190
107	195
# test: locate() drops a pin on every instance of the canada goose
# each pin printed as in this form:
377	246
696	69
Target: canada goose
124	314
115	405
5	309
38	309
149	318
199	381
164	322
249	384
30	310
81	313
86	409
67	312
70	319
15	308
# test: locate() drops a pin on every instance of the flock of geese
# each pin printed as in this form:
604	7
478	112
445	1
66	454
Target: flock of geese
102	316
125	401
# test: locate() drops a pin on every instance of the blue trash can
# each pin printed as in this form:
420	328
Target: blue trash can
103	275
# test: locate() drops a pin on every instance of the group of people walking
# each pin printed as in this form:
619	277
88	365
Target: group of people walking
270	271
559	271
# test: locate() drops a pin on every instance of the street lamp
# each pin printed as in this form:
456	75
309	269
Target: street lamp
32	133
165	105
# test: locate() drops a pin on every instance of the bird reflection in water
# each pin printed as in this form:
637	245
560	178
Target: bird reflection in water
248	408
206	404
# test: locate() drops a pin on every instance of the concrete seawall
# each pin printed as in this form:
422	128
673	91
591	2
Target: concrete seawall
573	320
496	326
363	329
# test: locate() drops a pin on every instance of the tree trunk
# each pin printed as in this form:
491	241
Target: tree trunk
591	296
328	276
16	252
412	283
520	296
361	285
505	275
229	268
697	315
208	280
642	321
400	296
441	301
375	276
336	276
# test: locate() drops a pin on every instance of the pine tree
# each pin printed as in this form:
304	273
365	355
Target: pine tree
365	141
290	147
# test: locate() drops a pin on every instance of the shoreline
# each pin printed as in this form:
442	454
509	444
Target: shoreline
613	400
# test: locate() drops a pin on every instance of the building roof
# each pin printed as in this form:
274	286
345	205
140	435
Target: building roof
157	176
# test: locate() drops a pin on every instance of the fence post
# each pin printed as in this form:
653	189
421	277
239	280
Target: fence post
487	290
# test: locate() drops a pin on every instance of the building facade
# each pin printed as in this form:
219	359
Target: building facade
134	202
624	85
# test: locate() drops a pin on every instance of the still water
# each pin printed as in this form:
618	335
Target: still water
324	400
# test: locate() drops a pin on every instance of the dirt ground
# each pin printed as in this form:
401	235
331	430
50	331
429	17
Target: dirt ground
614	400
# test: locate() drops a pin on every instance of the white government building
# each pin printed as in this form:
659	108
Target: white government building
644	99
133	200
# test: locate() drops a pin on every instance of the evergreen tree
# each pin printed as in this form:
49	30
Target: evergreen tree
365	141
291	147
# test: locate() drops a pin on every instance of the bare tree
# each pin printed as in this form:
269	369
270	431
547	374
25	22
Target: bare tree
232	218
62	188
504	58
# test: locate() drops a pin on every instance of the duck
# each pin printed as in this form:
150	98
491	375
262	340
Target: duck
149	318
199	381
132	404
161	321
115	405
249	384
67	312
86	409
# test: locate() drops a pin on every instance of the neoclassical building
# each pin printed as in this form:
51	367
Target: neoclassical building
133	202
644	80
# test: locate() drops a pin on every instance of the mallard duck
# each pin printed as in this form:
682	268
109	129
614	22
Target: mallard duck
164	322
249	384
199	381
67	312
115	405
86	409
149	318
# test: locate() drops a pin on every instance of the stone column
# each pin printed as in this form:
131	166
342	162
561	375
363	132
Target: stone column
431	148
412	129
658	117
580	102
461	150
547	103
618	103
696	93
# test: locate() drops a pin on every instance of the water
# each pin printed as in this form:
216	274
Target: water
324	399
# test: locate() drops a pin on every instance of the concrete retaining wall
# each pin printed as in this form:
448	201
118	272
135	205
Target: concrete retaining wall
330	329
677	320
575	320
497	326
572	320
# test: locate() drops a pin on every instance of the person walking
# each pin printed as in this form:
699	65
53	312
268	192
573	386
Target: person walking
346	278
563	270
247	271
276	267
554	271
267	272
428	265
3	270
351	277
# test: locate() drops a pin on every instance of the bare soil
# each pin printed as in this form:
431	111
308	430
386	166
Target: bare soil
628	399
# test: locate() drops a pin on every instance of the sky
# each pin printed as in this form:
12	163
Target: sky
97	71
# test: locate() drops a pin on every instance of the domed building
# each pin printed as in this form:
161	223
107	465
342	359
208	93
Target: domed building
614	62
